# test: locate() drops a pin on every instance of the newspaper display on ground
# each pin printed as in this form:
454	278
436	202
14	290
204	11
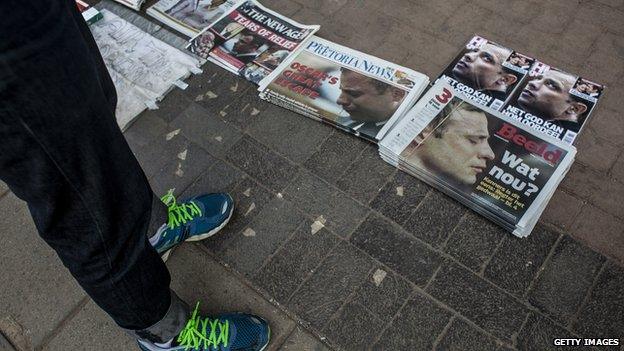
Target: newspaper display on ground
554	102
250	40
491	163
189	17
142	67
356	92
90	14
488	73
133	4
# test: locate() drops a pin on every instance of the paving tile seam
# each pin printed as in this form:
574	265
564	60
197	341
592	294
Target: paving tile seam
542	267
73	312
439	338
522	326
394	317
280	247
486	263
388	180
575	317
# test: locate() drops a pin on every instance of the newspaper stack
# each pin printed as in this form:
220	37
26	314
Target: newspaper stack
90	14
133	4
144	69
545	98
189	17
250	40
497	166
353	91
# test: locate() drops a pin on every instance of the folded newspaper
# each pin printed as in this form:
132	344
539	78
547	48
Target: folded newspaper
554	102
133	4
356	92
486	72
250	40
189	17
143	68
90	14
486	160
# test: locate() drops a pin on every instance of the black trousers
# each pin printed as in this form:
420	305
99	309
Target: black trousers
62	152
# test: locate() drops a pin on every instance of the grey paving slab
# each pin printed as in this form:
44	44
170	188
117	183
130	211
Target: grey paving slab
5	344
300	340
295	261
517	260
603	313
474	240
215	88
434	220
565	280
3	188
244	110
606	198
393	247
205	128
539	334
289	133
183	170
416	327
596	152
197	277
490	308
600	231
38	292
91	329
267	167
607	121
160	151
400	197
248	250
313	196
562	210
249	200
334	155
618	169
341	273
219	177
582	181
144	130
353	327
383	293
462	336
170	107
366	175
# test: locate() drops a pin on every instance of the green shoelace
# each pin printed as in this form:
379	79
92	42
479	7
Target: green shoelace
207	332
179	213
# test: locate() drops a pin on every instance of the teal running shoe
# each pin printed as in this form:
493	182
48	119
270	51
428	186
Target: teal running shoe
226	332
192	220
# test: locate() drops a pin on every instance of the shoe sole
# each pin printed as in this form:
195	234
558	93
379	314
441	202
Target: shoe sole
166	254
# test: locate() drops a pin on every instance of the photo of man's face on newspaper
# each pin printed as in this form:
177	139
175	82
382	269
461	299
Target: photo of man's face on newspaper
343	96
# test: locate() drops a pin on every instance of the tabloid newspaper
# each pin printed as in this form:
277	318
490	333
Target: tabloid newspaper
133	4
488	73
189	17
250	40
493	164
554	102
353	91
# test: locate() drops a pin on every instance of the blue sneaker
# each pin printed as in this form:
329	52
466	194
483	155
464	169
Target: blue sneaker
194	219
226	332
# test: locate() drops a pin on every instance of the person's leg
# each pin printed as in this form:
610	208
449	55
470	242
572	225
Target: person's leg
63	154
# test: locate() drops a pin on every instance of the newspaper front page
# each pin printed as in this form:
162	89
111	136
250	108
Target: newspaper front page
490	162
250	40
554	102
349	89
486	72
189	16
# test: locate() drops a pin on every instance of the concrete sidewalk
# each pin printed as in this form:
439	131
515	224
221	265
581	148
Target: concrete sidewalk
415	271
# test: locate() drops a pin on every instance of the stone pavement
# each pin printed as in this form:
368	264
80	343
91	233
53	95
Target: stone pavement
385	272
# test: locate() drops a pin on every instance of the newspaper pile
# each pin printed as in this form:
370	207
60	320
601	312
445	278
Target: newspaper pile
144	69
133	4
189	17
353	91
250	40
90	14
490	162
545	98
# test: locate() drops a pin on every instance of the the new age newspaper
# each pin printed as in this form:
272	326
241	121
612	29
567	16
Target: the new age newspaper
351	90
250	40
554	102
189	16
488	73
486	160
